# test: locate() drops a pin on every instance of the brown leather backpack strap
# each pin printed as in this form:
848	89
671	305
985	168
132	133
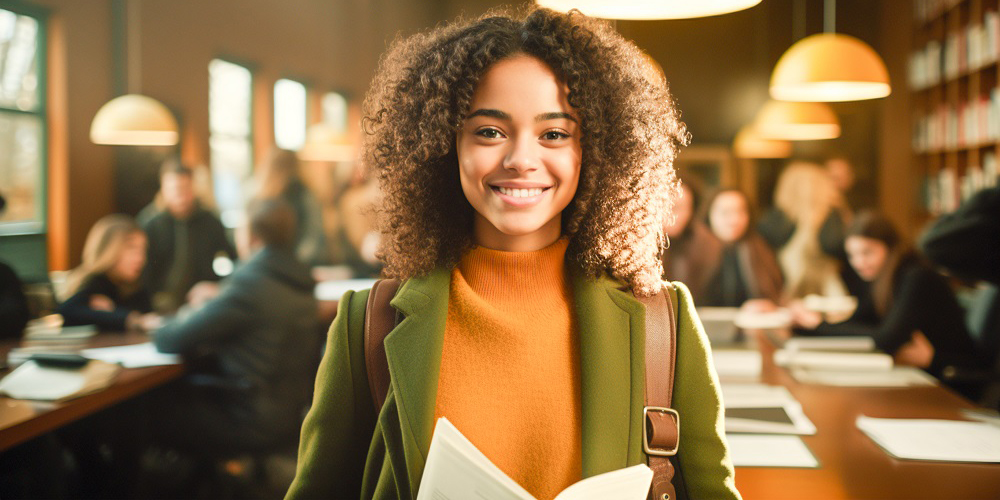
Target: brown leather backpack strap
380	319
661	423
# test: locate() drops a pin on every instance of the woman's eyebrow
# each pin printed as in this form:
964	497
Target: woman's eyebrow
555	116
492	113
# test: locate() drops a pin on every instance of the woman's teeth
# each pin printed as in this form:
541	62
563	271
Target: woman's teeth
520	193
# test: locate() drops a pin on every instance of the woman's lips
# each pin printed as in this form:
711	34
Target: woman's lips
519	196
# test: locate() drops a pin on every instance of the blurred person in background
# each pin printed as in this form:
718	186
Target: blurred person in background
841	172
743	270
254	348
685	258
184	240
907	308
106	290
278	177
14	312
964	242
358	236
804	201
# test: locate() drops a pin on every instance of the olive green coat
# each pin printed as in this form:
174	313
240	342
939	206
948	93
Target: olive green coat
348	450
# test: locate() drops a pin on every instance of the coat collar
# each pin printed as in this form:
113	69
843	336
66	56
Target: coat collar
610	324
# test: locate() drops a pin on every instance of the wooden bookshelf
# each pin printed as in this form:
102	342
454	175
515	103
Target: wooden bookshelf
953	80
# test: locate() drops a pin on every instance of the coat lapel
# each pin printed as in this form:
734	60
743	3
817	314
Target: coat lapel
611	324
413	350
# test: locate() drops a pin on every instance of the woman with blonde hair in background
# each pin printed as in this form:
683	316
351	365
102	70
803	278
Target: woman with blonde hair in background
805	198
105	290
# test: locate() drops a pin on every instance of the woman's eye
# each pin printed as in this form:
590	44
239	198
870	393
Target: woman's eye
554	135
489	133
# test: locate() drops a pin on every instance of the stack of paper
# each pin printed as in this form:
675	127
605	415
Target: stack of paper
743	364
839	344
759	408
751	450
939	440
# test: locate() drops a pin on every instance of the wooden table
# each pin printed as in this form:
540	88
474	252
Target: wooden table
851	464
22	420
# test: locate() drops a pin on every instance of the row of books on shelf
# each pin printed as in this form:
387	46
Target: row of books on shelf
968	124
925	10
968	49
945	190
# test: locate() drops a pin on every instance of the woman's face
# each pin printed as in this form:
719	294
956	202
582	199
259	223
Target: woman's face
129	266
519	155
683	210
729	216
866	255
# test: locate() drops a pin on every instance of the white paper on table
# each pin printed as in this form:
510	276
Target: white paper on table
939	440
849	343
132	356
898	376
335	289
843	361
753	320
46	383
737	363
753	450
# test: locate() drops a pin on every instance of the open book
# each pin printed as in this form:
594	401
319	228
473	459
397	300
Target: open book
456	470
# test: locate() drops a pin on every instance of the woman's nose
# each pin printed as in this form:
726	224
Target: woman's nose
523	155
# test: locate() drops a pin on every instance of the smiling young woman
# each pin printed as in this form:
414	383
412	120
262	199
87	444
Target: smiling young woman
526	165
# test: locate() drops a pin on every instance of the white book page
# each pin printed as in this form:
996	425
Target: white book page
941	440
752	450
898	376
851	343
457	470
844	361
630	483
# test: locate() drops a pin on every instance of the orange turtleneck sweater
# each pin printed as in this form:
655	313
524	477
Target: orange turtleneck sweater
510	366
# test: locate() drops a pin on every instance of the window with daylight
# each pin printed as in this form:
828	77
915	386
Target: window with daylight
334	107
230	116
22	122
289	114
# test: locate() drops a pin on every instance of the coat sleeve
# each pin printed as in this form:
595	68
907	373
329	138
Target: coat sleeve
223	317
704	455
338	430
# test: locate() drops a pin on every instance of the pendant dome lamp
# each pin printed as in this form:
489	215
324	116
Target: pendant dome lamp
829	67
134	119
750	144
649	9
797	121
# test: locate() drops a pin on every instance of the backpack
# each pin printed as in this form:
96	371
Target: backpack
661	429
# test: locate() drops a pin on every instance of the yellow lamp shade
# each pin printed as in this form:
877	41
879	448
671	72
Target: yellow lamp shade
649	9
134	120
829	67
749	144
797	121
325	143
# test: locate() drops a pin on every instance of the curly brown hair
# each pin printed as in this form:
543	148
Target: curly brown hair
631	127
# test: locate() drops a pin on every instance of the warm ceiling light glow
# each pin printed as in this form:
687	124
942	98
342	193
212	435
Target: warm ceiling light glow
829	67
749	144
650	9
797	121
134	120
325	143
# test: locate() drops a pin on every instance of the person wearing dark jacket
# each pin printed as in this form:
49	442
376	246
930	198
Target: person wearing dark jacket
14	313
259	334
965	243
184	240
908	309
105	289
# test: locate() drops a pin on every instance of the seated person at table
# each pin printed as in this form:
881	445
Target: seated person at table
105	290
184	240
259	336
14	313
907	308
743	270
685	259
